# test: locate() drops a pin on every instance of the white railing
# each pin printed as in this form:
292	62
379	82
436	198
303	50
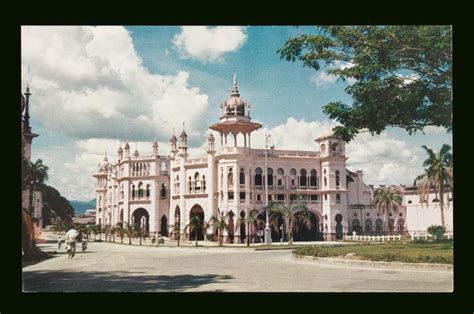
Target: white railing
377	238
426	236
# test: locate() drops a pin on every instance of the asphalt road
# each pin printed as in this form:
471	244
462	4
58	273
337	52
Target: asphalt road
116	267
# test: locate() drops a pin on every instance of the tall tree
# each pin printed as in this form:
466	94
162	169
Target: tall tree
398	75
220	223
296	210
35	174
195	225
249	220
54	204
387	200
438	176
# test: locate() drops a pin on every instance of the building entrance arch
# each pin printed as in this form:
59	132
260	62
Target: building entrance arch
141	220
197	210
164	226
305	233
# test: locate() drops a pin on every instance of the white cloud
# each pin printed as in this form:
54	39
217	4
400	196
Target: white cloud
209	44
433	130
89	82
323	78
383	159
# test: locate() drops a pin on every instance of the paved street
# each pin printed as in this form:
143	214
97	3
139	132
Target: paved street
116	267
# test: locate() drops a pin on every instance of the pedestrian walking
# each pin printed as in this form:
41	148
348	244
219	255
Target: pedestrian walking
60	241
85	239
71	238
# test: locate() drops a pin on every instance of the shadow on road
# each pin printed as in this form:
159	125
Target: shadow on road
66	281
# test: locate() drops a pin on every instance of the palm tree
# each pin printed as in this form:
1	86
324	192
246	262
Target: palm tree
438	175
177	231
387	199
129	232
294	211
220	223
194	225
121	230
106	230
249	220
35	173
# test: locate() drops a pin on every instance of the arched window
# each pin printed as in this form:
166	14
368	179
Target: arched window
391	224
401	224
280	172
270	177
163	190
140	189
242	176
203	183
303	179
312	179
292	177
325	181
190	184
230	177
368	225
133	191
335	147
409	202
147	190
197	182
323	148
258	176
378	225
338	198
337	178
293	172
324	171
222	178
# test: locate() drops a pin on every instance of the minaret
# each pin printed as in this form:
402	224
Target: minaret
155	149
120	153
127	150
27	110
183	143
210	188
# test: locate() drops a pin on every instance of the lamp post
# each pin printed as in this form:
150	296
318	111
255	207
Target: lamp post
268	232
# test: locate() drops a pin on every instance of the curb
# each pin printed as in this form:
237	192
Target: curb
376	264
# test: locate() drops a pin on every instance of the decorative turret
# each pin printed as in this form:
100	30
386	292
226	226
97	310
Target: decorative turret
331	145
211	143
127	150
136	154
155	148
235	119
183	143
173	141
120	153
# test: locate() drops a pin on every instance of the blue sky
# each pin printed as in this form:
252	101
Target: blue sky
95	88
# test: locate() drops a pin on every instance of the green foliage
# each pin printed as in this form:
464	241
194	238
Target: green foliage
436	231
438	176
402	74
412	252
220	223
54	205
296	210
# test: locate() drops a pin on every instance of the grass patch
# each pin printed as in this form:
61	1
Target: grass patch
411	252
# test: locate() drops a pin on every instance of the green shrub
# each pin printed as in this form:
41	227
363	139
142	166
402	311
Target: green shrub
436	231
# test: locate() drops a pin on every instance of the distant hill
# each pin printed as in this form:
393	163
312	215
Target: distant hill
80	207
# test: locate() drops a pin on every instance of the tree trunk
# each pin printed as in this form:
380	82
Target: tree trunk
248	234
441	205
129	239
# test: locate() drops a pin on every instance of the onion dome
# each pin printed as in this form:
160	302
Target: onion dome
155	144
235	105
136	153
211	137
120	150
127	147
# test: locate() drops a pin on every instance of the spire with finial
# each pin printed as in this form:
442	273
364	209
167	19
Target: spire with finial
183	133
235	90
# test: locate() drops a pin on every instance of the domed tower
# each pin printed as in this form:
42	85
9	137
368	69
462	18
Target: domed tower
333	185
235	119
101	190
